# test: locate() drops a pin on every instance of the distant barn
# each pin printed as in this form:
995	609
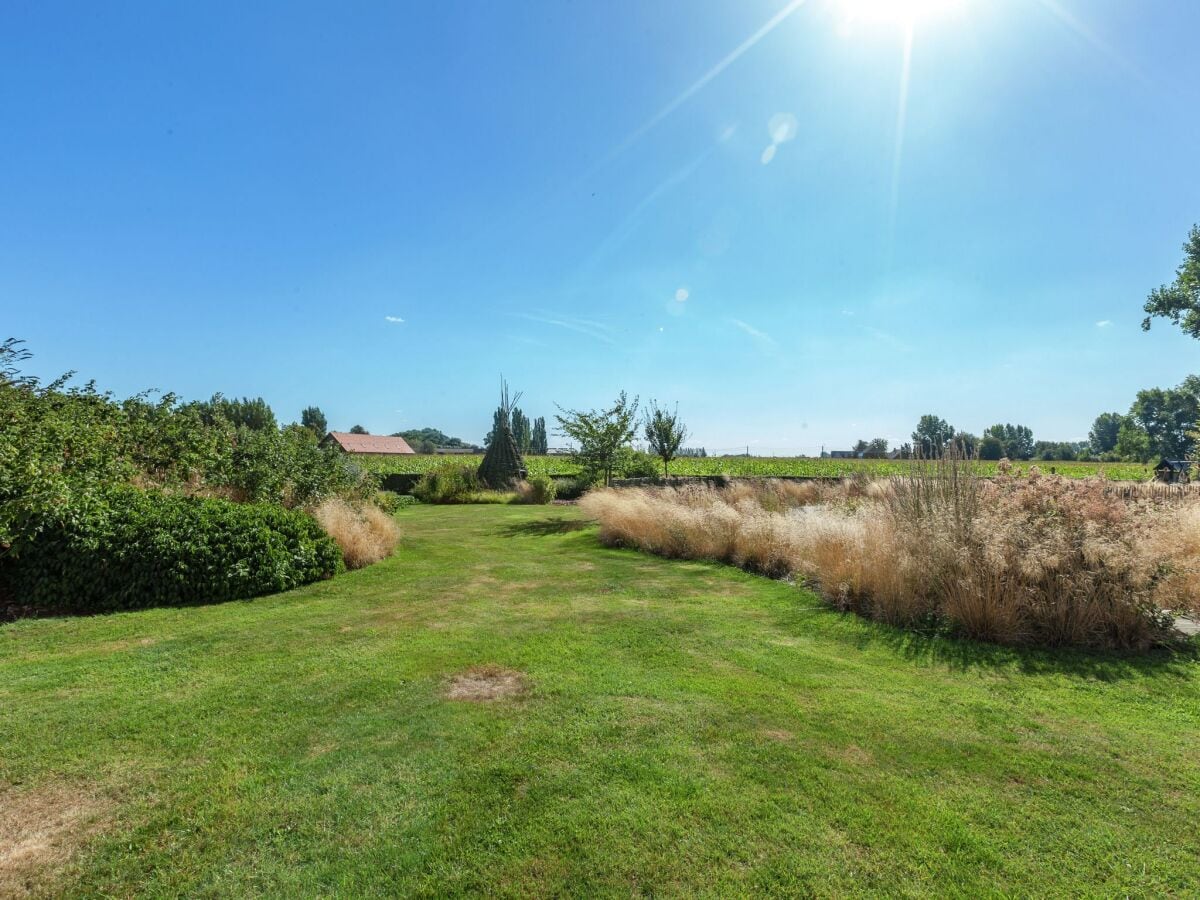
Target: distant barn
378	444
1173	471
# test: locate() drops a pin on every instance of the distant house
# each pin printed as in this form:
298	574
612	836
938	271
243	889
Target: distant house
377	444
845	454
1173	471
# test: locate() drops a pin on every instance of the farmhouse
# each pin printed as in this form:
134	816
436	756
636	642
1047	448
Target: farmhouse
366	443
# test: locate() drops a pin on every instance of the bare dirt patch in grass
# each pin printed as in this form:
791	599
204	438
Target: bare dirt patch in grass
41	829
484	683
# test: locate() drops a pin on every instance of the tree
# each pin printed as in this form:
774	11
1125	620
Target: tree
665	434
358	429
601	435
502	466
1167	417
255	414
1016	439
1180	301
965	443
932	436
432	438
1106	428
991	447
314	420
1133	443
522	431
878	448
538	444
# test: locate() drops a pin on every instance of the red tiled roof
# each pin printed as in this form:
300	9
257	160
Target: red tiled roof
369	443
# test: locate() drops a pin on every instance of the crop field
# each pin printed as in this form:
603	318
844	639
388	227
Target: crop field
761	466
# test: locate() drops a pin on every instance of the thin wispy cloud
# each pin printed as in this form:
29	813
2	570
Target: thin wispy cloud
589	327
757	334
396	320
1103	323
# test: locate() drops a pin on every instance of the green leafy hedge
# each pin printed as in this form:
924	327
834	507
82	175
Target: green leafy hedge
143	548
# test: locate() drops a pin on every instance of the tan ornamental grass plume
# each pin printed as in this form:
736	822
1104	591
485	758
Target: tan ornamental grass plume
1032	560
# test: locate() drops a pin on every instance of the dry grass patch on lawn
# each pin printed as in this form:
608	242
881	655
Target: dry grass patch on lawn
41	829
490	682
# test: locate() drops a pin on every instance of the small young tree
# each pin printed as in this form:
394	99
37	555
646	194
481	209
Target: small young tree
600	434
664	433
314	420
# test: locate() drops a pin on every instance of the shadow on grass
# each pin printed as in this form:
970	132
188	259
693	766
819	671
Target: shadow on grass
965	654
544	527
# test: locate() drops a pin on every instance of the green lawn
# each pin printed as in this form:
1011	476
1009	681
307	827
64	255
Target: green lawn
688	728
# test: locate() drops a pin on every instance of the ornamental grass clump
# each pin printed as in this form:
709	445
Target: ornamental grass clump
365	534
1034	560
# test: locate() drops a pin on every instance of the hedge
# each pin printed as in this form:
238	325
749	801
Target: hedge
144	548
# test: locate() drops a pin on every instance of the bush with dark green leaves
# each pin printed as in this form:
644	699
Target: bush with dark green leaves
137	549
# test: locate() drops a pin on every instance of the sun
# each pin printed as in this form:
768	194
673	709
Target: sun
895	12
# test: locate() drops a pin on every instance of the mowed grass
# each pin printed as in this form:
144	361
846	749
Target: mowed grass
686	729
762	466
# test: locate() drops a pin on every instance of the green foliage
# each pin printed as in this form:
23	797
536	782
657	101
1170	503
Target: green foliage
314	420
1105	430
538	441
1179	301
745	466
522	431
1133	443
136	549
1017	440
991	447
427	440
450	482
601	435
358	429
63	447
1167	417
636	464
254	414
932	436
665	433
538	489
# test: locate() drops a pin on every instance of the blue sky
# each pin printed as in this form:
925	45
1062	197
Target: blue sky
724	205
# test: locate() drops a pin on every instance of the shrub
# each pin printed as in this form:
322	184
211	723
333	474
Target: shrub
143	548
570	488
449	483
641	465
538	489
366	534
389	501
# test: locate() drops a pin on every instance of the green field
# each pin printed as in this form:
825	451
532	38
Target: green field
760	466
684	728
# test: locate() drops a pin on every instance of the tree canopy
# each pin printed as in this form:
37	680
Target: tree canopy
932	435
314	420
665	433
601	435
1179	301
